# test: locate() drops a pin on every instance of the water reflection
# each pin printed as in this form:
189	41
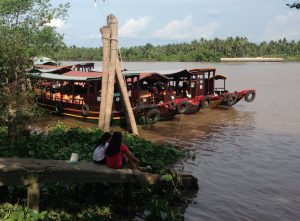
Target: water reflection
190	130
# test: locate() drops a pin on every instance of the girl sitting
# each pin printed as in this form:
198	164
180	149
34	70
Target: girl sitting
118	155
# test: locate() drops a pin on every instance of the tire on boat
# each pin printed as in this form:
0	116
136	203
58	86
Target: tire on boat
192	108
172	104
85	110
58	108
250	96
231	99
182	107
152	116
205	102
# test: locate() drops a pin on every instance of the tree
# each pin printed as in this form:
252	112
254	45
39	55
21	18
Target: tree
294	5
25	32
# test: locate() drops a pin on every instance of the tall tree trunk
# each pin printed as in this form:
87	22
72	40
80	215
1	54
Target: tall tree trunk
12	116
105	70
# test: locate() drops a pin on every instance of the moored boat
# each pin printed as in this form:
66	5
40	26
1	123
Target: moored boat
78	94
196	88
231	98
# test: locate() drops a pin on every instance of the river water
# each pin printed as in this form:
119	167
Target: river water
246	158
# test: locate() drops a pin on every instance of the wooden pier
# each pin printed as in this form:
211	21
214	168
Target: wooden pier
32	172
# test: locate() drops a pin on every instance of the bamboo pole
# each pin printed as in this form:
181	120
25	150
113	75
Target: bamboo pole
125	98
111	66
113	25
105	70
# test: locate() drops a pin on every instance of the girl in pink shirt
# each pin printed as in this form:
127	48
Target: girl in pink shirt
118	154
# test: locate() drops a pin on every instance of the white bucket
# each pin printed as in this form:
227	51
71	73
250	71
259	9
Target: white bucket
74	157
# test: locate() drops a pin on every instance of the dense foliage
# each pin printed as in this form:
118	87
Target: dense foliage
93	201
197	50
62	141
25	32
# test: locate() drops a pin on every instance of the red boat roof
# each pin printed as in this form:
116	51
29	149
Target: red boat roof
83	74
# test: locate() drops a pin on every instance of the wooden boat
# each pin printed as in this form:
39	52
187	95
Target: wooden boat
77	94
43	61
147	89
231	98
196	88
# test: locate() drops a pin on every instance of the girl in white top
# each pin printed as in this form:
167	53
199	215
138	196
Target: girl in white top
100	148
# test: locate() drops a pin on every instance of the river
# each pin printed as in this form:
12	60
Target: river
246	158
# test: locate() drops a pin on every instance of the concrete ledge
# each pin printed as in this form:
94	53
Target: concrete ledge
32	172
19	171
258	59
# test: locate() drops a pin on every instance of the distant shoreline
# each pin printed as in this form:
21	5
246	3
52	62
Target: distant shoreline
257	59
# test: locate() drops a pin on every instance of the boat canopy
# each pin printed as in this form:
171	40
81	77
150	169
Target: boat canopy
92	74
64	77
178	74
219	76
44	60
148	75
202	69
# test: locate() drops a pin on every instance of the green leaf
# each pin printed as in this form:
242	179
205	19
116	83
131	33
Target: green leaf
166	177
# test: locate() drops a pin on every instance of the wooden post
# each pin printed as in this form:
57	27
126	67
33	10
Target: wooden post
127	197
3	194
33	194
105	70
113	26
125	98
110	69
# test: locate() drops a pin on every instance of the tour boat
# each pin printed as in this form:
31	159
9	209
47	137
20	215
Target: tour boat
196	88
76	93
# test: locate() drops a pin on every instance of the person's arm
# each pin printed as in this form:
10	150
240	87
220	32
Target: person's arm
132	157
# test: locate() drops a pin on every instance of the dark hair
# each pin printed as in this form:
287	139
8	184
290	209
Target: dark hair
114	144
104	138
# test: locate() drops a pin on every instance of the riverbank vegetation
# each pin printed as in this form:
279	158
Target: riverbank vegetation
25	31
62	201
198	50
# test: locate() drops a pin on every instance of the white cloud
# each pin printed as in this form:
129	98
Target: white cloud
132	27
58	23
283	26
186	30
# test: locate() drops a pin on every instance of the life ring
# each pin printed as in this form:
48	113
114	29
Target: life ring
58	108
250	96
85	110
231	99
205	102
152	116
182	107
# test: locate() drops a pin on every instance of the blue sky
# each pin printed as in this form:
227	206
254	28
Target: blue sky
172	21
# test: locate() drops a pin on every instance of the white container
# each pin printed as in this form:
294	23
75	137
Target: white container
74	157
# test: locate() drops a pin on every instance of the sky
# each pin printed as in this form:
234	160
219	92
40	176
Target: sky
161	22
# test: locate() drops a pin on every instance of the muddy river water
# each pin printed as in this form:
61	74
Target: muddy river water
246	158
